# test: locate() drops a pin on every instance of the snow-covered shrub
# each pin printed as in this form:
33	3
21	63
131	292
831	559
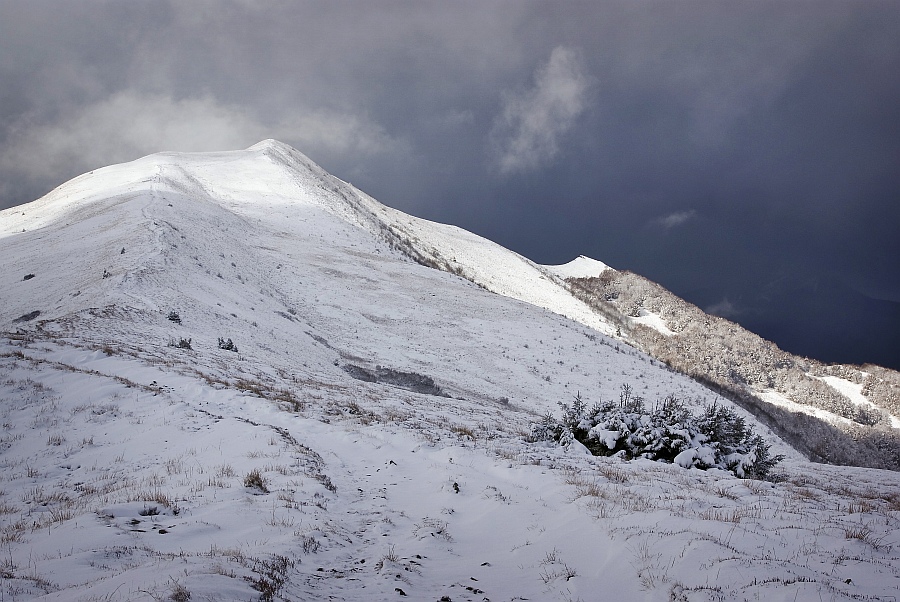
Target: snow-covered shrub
174	317
180	343
667	433
227	345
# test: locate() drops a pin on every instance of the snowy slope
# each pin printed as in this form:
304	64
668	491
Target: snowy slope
383	403
853	392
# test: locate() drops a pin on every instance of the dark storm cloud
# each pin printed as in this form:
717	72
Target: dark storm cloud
744	154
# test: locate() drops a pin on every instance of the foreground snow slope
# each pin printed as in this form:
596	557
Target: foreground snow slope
382	403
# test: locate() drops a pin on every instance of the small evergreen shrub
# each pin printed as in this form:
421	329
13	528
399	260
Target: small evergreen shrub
227	345
181	343
668	433
174	317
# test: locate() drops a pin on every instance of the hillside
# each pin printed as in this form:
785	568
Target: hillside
231	376
834	413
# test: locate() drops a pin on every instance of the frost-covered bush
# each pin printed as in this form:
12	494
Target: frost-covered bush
667	433
227	345
181	343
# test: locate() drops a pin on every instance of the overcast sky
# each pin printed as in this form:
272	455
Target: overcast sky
744	154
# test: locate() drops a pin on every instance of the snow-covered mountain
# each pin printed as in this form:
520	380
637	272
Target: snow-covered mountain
232	376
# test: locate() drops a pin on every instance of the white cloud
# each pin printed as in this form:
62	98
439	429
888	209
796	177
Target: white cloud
338	133
675	219
526	134
128	125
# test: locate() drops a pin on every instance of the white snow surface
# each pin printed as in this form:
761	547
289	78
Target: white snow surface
777	399
853	392
124	460
654	321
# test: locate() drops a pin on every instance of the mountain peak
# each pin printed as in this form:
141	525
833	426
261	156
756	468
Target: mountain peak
580	267
272	144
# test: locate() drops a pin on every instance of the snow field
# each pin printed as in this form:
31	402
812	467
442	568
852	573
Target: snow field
133	489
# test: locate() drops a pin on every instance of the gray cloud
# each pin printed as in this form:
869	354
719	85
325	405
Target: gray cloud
527	132
675	219
125	126
128	125
723	309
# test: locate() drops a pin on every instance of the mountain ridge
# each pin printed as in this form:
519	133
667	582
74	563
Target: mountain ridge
285	186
